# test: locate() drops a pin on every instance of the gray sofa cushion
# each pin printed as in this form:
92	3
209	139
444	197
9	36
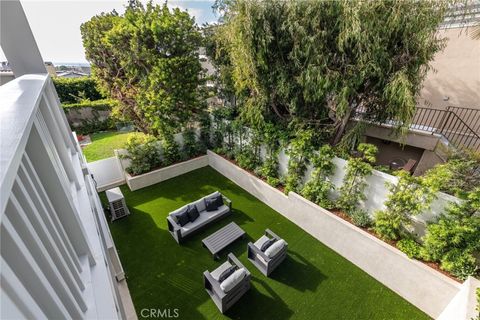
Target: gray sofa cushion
267	244
217	272
200	204
226	273
259	243
204	218
275	248
234	279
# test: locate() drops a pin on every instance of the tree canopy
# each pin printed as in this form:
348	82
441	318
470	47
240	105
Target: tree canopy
315	61
147	59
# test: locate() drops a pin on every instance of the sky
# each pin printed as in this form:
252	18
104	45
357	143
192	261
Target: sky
56	24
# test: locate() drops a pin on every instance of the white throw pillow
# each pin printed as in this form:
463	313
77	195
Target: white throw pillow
275	248
234	279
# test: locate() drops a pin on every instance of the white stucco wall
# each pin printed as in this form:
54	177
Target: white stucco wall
463	305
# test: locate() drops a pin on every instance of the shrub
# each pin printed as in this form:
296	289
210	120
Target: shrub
93	125
171	153
143	152
460	263
269	169
410	247
408	197
205	131
191	146
384	168
219	128
103	104
247	159
387	225
455	237
72	90
354	182
464	173
361	218
274	182
300	150
319	185
272	138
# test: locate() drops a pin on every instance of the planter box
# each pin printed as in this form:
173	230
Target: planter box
159	175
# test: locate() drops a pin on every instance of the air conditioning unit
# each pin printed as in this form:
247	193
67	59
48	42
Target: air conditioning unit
118	207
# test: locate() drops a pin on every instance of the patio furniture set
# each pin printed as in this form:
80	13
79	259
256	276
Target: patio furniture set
231	280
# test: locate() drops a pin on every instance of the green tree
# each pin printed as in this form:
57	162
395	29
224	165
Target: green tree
147	59
221	61
316	61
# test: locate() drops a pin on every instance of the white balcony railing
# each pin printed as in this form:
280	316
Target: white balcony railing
56	251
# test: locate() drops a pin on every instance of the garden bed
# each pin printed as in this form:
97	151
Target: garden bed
150	178
392	243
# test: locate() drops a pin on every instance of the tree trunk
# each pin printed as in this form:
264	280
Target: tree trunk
341	125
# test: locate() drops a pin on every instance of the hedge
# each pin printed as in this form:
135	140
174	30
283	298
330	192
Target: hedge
102	104
70	90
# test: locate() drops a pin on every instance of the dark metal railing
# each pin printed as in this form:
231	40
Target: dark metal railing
460	126
469	115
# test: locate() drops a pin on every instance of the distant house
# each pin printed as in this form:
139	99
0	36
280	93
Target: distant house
71	74
7	75
50	68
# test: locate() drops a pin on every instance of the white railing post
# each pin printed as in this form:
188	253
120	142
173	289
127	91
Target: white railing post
58	137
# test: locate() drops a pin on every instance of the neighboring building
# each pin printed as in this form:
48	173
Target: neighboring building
71	74
57	256
85	69
7	75
455	77
51	69
448	113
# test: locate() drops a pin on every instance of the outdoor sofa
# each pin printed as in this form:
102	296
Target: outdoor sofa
180	229
271	257
228	283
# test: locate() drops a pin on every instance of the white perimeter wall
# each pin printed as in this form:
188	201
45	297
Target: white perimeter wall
376	191
417	283
463	306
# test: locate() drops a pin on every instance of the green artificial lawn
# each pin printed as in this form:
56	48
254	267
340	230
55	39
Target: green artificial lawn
103	144
313	282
